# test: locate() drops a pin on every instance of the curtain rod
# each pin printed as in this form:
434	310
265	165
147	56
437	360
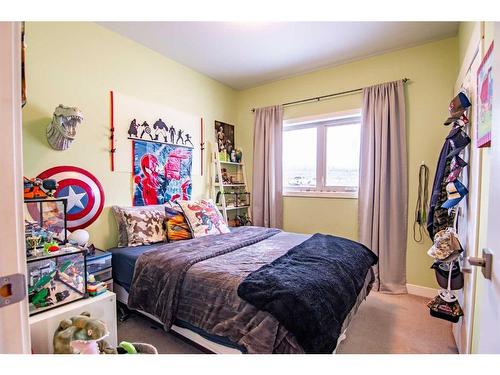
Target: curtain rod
318	98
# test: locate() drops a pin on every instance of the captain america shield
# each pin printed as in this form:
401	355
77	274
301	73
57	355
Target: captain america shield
83	192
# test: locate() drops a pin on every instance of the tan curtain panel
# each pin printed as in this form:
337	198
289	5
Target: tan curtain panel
383	183
267	184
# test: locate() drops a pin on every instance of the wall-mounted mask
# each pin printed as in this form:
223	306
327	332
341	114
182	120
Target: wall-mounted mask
62	130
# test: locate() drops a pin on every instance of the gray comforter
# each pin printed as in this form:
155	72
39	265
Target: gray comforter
196	281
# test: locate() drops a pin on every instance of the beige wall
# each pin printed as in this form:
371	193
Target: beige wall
77	64
432	69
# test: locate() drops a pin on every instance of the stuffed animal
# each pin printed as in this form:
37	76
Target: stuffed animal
82	334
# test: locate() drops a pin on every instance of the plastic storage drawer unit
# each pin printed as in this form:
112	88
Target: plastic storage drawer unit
98	262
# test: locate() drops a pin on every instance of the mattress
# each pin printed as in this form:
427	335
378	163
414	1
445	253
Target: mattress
123	262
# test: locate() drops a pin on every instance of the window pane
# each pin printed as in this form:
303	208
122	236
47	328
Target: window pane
299	158
342	155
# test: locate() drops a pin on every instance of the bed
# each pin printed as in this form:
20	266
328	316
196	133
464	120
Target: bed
198	295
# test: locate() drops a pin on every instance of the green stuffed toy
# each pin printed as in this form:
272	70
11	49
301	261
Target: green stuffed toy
82	334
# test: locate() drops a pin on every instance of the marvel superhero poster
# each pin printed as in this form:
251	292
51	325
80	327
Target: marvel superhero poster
162	173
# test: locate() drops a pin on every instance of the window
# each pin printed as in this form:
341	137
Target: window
321	156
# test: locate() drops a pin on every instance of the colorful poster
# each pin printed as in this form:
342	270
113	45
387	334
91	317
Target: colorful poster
485	97
161	173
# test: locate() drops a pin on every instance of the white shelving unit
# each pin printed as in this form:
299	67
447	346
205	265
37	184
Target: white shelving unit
219	186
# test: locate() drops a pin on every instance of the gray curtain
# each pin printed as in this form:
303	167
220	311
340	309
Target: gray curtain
383	185
267	184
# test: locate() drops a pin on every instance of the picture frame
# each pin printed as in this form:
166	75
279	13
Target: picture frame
484	99
224	136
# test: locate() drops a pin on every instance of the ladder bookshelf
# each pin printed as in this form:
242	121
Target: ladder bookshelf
225	194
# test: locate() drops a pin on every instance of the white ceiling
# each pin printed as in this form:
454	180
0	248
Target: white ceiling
245	54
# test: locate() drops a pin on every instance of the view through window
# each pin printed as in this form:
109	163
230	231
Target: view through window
322	156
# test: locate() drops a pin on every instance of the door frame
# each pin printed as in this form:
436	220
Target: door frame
463	331
14	321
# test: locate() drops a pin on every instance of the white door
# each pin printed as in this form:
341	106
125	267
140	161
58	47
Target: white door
488	301
14	328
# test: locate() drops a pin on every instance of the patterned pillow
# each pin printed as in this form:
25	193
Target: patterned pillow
203	217
177	227
145	227
119	212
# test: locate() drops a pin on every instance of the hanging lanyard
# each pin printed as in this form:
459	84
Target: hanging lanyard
421	206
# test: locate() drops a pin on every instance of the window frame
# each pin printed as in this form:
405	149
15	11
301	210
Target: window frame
321	123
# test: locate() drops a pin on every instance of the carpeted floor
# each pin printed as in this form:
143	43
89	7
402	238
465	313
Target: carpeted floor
384	324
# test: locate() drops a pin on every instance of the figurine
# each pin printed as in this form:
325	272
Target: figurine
172	134
243	219
132	130
233	155
160	129
221	139
188	139
146	129
179	137
239	156
229	147
225	176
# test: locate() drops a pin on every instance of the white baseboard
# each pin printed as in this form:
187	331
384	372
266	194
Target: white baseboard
422	291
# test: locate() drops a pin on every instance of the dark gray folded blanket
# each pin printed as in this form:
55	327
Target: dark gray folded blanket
312	288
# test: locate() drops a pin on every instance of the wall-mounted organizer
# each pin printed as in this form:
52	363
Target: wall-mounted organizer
448	192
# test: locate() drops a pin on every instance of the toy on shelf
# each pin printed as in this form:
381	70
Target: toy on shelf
243	219
36	188
44	225
51	247
56	278
229	184
82	335
94	287
238	155
79	237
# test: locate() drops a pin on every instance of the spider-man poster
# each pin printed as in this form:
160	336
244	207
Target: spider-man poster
162	173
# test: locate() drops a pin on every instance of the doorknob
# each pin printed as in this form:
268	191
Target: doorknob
485	263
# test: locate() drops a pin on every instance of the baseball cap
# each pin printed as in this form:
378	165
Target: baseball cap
454	174
462	121
457	162
456	192
446	243
442	270
457	107
456	166
458	141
